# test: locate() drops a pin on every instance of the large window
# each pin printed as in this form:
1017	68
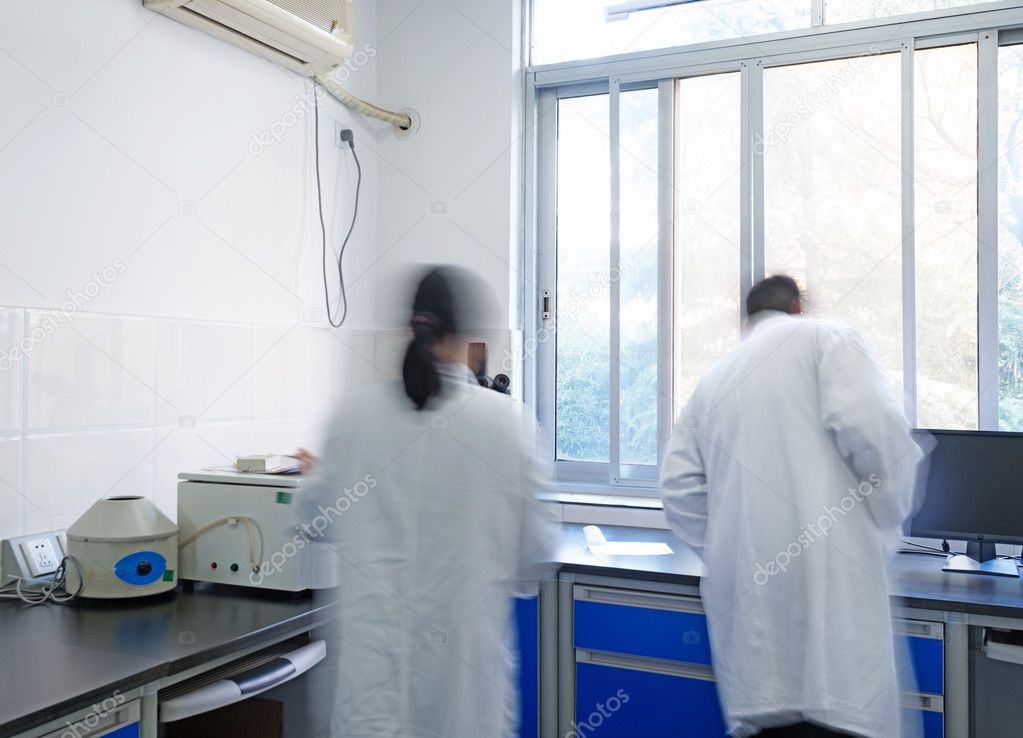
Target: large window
886	176
832	184
1010	238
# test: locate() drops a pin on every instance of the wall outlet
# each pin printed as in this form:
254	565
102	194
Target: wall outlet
32	557
41	556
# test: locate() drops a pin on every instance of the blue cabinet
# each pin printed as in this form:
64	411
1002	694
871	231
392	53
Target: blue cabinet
654	633
615	702
125	731
642	667
527	621
922	648
927	659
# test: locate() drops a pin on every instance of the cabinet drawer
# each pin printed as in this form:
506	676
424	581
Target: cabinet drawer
924	642
527	628
933	723
616	702
640	624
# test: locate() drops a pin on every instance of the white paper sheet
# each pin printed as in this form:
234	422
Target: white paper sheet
600	546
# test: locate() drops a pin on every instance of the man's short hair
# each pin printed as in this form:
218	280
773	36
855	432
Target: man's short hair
774	293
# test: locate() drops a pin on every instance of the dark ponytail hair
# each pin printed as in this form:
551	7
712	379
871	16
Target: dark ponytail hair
434	316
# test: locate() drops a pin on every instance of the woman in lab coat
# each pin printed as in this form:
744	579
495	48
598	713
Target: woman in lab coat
427	489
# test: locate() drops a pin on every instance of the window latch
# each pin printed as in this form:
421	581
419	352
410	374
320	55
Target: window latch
545	305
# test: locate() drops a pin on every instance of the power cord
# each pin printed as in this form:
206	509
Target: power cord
54	590
348	137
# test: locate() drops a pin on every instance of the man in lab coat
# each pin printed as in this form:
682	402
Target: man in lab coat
791	470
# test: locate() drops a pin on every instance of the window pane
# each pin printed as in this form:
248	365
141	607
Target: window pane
841	11
832	145
583	304
1010	239
945	91
707	231
578	29
638	282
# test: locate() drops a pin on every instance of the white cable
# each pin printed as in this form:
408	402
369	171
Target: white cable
352	102
54	590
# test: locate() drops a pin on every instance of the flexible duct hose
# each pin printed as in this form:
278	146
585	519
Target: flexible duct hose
350	101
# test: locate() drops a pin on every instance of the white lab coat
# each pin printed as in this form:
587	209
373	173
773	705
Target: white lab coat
431	546
791	469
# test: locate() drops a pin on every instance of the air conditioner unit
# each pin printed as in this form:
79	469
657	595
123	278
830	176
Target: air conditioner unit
309	37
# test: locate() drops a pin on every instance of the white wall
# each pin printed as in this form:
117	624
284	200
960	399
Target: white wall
131	186
451	193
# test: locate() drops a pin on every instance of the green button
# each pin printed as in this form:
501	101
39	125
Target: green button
234	567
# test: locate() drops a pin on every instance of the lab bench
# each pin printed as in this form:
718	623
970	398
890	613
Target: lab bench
77	670
636	624
619	641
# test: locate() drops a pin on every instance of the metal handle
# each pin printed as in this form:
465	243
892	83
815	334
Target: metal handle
642	663
923	701
919	629
241	686
1007	652
650	600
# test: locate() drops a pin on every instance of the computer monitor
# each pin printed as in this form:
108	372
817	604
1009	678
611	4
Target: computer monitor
972	490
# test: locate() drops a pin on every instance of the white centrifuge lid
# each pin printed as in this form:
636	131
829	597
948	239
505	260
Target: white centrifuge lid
122	518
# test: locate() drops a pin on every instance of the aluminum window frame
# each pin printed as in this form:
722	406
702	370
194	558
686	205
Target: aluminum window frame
989	25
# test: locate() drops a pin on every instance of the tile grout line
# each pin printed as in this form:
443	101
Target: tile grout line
23	451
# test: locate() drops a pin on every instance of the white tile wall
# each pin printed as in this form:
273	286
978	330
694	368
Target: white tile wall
203	371
12	324
189	449
112	404
286	434
111	157
66	472
89	370
292	375
352	360
11	499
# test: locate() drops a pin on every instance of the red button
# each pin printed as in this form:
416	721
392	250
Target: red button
213	565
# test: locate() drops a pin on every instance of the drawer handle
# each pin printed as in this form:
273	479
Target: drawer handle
919	629
1007	652
672	603
641	663
241	686
921	701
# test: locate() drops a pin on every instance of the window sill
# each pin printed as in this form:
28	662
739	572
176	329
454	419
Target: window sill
601	499
606	508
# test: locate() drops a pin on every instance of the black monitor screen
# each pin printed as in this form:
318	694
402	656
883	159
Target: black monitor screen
972	487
